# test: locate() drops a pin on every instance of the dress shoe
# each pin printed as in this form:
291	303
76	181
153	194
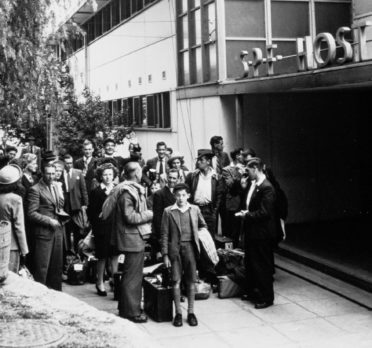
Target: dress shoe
142	318
191	319
177	321
101	292
262	305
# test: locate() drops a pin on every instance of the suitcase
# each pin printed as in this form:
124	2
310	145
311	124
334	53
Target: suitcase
157	300
76	273
223	242
228	288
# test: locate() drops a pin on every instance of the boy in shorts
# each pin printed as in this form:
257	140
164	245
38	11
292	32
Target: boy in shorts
180	248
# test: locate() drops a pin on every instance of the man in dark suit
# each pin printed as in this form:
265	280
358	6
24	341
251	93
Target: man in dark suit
87	164
259	226
44	210
162	199
32	148
231	177
220	158
156	166
76	198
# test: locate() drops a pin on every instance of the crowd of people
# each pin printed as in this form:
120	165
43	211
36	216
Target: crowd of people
131	203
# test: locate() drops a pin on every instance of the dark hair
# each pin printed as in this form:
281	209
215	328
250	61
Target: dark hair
87	142
136	147
181	186
256	162
109	140
215	140
111	160
172	170
10	148
14	187
234	153
48	165
160	143
4	160
250	151
104	167
170	161
170	150
67	156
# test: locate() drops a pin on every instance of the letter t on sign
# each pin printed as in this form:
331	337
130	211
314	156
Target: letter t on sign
270	59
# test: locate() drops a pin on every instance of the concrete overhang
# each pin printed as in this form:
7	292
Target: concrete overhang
354	75
85	10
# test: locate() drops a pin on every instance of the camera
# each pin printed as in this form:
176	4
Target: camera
152	174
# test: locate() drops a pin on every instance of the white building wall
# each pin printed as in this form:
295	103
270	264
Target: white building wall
143	46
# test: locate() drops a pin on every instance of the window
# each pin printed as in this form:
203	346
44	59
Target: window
98	24
106	13
196	29
146	111
115	12
124	9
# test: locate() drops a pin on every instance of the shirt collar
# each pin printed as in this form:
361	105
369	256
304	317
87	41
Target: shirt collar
182	210
259	182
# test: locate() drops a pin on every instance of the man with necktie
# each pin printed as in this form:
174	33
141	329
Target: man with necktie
32	148
87	164
45	211
157	165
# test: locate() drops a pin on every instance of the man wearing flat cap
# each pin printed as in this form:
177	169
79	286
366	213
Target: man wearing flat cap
206	189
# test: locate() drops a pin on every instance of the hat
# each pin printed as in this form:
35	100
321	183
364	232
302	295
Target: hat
205	152
175	155
10	174
49	156
107	140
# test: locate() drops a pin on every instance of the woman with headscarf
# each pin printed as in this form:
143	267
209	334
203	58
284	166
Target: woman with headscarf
11	213
177	162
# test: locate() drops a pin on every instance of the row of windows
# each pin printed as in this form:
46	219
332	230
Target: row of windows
146	111
108	17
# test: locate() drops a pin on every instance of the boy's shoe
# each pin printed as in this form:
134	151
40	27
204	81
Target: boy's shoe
191	319
177	321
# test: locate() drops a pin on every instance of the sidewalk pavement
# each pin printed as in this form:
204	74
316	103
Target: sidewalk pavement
304	315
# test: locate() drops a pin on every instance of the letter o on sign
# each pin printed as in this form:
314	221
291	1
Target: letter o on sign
331	54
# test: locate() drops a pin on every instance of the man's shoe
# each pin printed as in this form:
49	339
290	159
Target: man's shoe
177	321
142	318
191	319
262	305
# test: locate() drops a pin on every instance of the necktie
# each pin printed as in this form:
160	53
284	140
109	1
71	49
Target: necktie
161	169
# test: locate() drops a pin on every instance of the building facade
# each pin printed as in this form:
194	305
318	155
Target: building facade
289	78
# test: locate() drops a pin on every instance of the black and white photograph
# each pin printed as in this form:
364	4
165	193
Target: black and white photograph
185	173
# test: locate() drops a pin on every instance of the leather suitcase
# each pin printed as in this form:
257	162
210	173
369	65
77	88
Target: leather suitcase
223	242
157	300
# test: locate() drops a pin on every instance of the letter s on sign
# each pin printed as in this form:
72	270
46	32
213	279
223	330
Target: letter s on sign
348	49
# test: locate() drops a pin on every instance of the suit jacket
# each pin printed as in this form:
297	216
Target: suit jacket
130	221
78	190
11	210
171	230
90	173
192	181
259	222
162	199
41	209
152	164
231	179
